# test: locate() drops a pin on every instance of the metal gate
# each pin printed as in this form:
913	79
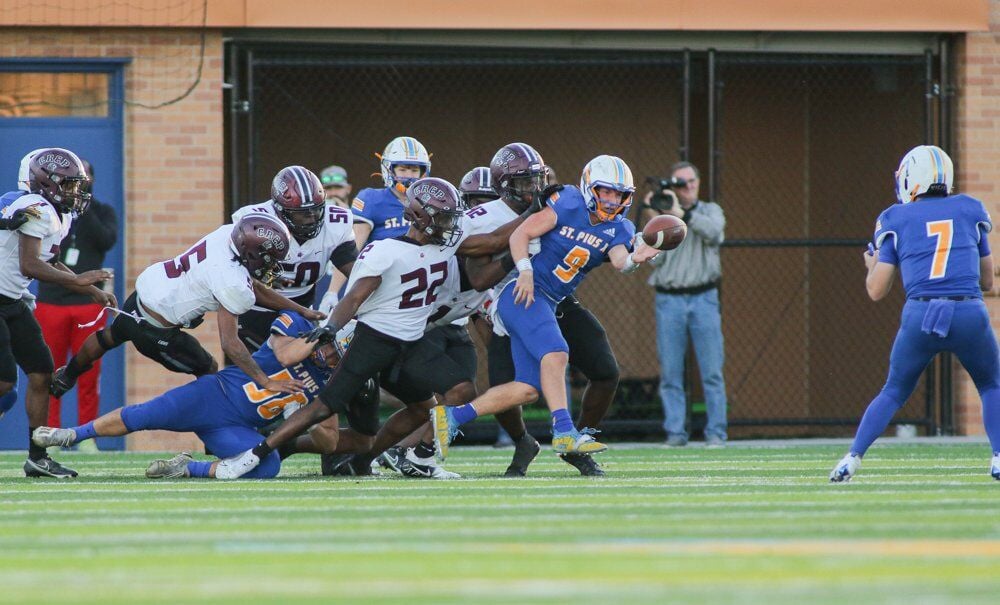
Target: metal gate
799	150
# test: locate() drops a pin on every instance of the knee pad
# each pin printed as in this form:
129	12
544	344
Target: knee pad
105	339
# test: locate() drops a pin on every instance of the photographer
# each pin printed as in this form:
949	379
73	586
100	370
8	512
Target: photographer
687	302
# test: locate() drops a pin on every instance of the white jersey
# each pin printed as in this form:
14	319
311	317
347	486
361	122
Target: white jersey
50	227
411	277
207	275
454	303
306	262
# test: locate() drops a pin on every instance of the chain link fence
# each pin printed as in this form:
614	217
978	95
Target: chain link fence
803	157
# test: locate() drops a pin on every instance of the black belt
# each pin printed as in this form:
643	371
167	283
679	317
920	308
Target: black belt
930	298
691	290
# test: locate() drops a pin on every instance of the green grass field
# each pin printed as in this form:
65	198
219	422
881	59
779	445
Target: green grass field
745	524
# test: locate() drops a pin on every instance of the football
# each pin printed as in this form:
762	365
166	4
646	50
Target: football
664	232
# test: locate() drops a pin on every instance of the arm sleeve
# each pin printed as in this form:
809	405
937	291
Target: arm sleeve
344	254
887	251
885	239
709	222
362	207
984	224
625	235
40	226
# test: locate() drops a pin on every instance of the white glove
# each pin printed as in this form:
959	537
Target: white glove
328	302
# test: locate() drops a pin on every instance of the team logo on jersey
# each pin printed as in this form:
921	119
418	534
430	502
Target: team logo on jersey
610	231
358	204
285	320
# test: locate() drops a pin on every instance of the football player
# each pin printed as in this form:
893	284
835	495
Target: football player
227	271
57	184
938	243
578	231
225	409
392	290
378	213
320	232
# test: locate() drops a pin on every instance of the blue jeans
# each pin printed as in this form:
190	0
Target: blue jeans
677	316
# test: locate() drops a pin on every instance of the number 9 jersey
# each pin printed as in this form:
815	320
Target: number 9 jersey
936	242
575	246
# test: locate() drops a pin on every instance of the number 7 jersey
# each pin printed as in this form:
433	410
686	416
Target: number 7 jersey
411	278
936	243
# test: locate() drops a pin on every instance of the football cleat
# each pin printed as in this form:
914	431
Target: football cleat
61	383
237	466
47	467
423	468
392	458
995	466
353	466
445	429
584	463
845	469
525	450
174	468
579	442
46	436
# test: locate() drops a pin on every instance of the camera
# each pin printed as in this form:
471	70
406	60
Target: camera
661	201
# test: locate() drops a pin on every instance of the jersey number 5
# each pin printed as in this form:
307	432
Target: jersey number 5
943	231
182	264
574	260
271	404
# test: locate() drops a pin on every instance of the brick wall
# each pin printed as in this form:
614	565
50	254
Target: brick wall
977	161
173	163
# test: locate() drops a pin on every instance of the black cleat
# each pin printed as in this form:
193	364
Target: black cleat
328	462
353	466
61	383
525	450
392	458
584	463
47	467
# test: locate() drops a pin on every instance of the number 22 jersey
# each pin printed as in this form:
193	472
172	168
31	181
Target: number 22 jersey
936	242
411	274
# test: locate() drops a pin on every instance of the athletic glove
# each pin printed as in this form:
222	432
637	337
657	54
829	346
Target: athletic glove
17	218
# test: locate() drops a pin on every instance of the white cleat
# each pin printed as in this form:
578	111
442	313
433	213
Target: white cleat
46	436
995	466
237	466
424	468
174	468
845	469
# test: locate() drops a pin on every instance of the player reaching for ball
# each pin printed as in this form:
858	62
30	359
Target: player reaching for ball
578	231
937	242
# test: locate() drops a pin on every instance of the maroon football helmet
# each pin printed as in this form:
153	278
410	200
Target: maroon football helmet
261	243
60	177
518	174
299	200
477	187
435	209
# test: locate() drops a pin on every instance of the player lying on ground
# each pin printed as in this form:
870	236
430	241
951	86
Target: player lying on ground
579	230
226	409
938	243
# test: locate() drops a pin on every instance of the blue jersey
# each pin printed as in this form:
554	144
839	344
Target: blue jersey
258	406
8	198
936	244
575	245
381	209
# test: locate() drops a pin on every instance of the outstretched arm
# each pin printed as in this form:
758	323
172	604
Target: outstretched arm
268	298
234	348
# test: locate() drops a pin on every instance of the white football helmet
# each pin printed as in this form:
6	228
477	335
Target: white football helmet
24	171
611	172
403	150
924	169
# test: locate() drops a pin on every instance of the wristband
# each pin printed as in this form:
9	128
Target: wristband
630	265
523	265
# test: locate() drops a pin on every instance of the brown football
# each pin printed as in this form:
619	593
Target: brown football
664	232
